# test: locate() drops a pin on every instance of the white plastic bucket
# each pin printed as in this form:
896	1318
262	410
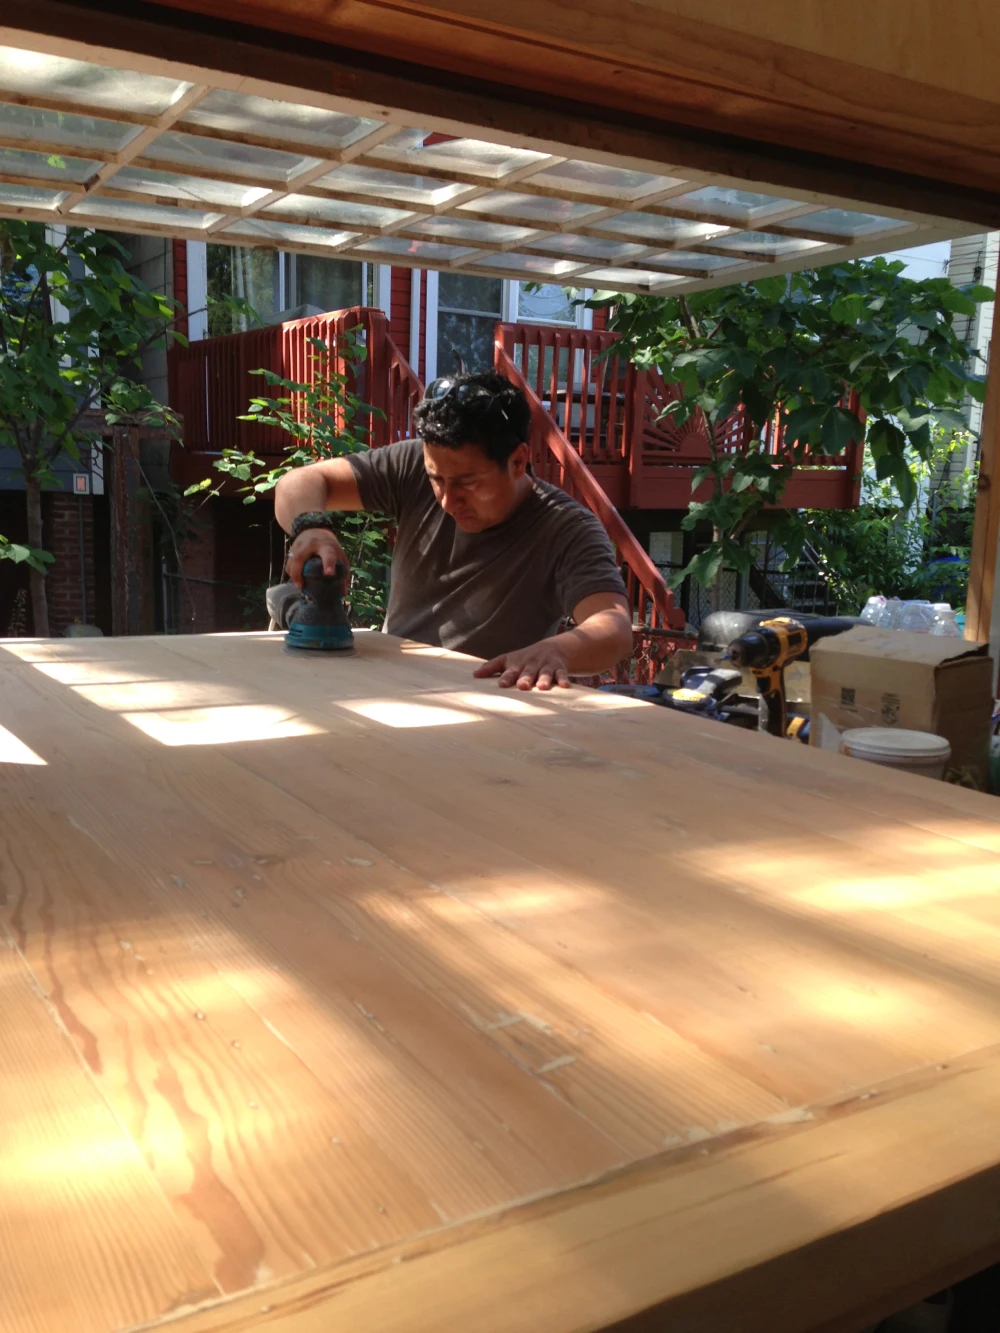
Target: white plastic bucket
912	751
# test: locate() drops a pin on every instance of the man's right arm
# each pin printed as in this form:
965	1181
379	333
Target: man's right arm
330	484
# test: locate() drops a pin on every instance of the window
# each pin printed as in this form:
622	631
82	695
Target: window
324	284
549	304
249	274
282	286
468	309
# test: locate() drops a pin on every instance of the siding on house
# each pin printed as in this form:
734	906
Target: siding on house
975	259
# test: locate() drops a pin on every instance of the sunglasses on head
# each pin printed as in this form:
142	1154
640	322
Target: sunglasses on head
446	387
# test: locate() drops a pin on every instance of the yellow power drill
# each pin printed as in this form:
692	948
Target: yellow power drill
768	648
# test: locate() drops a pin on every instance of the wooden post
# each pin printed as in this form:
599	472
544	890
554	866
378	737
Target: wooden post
983	556
636	388
131	607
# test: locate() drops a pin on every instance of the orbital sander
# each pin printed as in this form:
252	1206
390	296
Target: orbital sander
316	617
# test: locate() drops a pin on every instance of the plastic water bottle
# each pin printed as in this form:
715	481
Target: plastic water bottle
891	613
917	617
945	623
873	610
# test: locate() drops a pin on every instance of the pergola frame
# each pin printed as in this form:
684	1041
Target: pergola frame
454	70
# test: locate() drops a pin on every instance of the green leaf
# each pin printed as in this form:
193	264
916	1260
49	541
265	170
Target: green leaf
958	302
27	555
771	289
803	423
847	309
840	428
704	567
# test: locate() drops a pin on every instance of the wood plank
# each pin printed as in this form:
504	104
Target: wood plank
67	1159
575	985
811	1225
986	528
380	1043
623	939
484	977
885	860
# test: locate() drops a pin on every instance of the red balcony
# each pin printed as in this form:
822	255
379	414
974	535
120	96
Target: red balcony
611	413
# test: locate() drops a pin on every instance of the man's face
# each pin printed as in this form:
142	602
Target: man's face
475	491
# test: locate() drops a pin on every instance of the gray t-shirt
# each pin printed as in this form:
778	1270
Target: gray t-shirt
482	593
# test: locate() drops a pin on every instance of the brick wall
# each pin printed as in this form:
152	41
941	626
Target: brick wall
61	512
180	280
196	601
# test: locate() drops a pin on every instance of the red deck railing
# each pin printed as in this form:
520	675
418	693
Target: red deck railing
213	380
612	414
554	459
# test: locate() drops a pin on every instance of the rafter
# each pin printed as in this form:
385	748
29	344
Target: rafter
137	143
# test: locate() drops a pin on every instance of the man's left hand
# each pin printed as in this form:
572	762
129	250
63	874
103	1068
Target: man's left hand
540	664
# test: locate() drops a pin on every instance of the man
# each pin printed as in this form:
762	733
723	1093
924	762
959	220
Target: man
487	559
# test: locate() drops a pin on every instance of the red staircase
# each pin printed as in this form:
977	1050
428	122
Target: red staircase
597	430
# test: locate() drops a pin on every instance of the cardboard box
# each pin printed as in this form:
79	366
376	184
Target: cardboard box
873	677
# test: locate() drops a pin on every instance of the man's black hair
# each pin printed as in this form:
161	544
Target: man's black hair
481	408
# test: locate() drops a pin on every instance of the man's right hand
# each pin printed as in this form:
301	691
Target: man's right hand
314	541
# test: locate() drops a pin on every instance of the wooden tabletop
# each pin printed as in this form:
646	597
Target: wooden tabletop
353	994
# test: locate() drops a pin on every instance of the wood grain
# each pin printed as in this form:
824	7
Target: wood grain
770	1238
86	1237
399	989
986	528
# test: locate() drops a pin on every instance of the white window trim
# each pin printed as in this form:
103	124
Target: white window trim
415	274
383	288
431	327
509	300
197	292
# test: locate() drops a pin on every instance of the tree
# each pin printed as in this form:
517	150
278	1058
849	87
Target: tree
323	418
885	547
56	365
787	348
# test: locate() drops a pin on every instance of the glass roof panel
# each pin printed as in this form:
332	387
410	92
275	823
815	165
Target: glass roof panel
84	84
231	159
47	166
128	210
261	229
233	112
565	243
395	185
62	130
611	278
529	264
528	206
170	185
696	263
465	229
407	198
661	230
597	179
721	201
844	222
765	245
431	251
335	210
26	196
474	157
